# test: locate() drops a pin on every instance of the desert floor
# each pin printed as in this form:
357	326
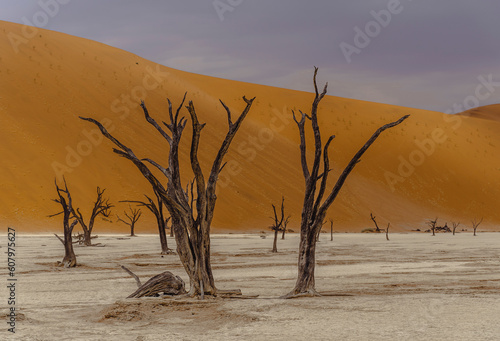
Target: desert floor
413	287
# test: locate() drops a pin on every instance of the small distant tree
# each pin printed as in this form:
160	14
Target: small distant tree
475	224
455	225
132	218
284	229
432	225
65	201
377	229
319	231
161	221
279	223
102	206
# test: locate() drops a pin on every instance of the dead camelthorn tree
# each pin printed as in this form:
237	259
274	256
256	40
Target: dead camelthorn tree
102	206
387	231
284	228
191	214
432	225
475	224
279	223
65	201
455	225
132	218
319	231
314	208
161	221
377	229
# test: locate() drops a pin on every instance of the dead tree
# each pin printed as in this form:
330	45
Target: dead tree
387	231
284	229
432	225
161	221
319	231
132	218
65	201
475	224
331	230
314	208
279	224
455	225
377	229
191	217
102	206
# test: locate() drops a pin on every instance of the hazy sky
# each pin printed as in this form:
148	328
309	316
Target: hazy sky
420	53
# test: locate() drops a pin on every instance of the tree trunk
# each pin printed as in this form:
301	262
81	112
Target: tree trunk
69	259
87	239
305	285
195	259
132	234
165	250
275	242
283	234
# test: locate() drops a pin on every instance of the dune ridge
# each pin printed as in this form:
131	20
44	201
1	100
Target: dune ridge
432	165
487	112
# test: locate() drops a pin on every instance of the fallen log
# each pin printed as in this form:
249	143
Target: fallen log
165	283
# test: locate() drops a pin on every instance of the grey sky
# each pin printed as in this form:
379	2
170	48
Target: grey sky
429	54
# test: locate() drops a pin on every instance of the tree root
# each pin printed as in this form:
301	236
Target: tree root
228	293
308	293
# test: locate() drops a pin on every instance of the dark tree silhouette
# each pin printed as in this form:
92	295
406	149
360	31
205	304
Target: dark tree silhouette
279	224
102	206
314	208
331	230
455	225
191	217
387	231
161	221
377	229
132	219
475	224
432	225
285	227
65	201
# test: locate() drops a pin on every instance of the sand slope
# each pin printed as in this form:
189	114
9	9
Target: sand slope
53	78
488	112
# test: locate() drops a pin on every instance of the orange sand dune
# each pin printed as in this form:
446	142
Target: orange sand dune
488	112
432	165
